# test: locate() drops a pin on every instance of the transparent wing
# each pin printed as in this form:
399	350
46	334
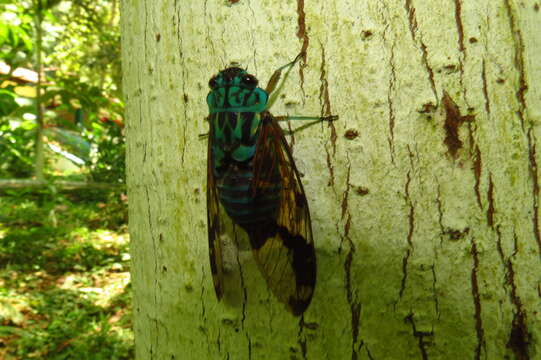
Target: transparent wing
283	247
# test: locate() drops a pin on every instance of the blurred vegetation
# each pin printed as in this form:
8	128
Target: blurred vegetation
64	260
81	87
64	277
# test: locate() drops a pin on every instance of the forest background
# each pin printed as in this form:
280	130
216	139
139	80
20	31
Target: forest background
64	261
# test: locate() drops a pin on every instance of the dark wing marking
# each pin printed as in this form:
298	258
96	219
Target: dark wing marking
214	225
283	247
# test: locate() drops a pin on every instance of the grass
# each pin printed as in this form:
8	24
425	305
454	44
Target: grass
64	277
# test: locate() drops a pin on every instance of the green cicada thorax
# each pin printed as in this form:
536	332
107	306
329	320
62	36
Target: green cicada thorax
234	90
235	103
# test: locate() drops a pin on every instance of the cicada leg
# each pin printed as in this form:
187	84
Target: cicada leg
315	120
275	79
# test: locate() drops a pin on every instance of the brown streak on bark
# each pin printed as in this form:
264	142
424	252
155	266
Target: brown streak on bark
412	19
477	301
453	121
535	186
330	167
354	304
346	193
325	99
519	61
390	91
413	25
429	70
490	198
461	47
440	208
409	251
485	89
519	338
302	35
459	26
477	169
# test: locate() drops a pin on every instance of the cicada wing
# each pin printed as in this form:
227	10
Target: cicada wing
283	247
214	225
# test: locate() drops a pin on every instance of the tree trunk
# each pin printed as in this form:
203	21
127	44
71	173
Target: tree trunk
424	195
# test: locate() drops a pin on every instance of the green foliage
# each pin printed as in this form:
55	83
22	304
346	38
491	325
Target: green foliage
111	153
64	280
15	34
7	102
16	148
81	86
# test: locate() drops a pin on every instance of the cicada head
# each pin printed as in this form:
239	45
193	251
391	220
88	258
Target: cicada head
234	90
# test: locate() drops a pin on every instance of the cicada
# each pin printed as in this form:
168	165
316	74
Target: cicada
252	175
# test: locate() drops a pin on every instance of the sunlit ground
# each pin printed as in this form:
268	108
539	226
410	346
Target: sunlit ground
64	279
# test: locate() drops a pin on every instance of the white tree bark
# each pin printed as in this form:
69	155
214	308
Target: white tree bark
424	195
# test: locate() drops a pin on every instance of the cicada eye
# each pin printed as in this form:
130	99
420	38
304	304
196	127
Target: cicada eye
212	82
249	80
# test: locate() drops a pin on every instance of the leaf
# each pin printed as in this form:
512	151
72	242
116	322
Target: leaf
4	33
7	102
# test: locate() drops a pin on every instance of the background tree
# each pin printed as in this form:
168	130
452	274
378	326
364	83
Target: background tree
424	195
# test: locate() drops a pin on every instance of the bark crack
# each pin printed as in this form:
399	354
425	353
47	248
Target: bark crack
414	26
461	47
203	309
485	89
519	61
181	58
519	338
242	282
370	357
429	70
490	198
477	170
440	211
302	34
420	335
390	92
301	340
435	290
411	228
155	257
412	19
331	168
325	102
252	34
535	186
352	298
481	345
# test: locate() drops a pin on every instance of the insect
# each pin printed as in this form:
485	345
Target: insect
252	175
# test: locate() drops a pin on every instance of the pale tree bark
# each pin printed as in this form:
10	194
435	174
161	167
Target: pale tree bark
424	195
